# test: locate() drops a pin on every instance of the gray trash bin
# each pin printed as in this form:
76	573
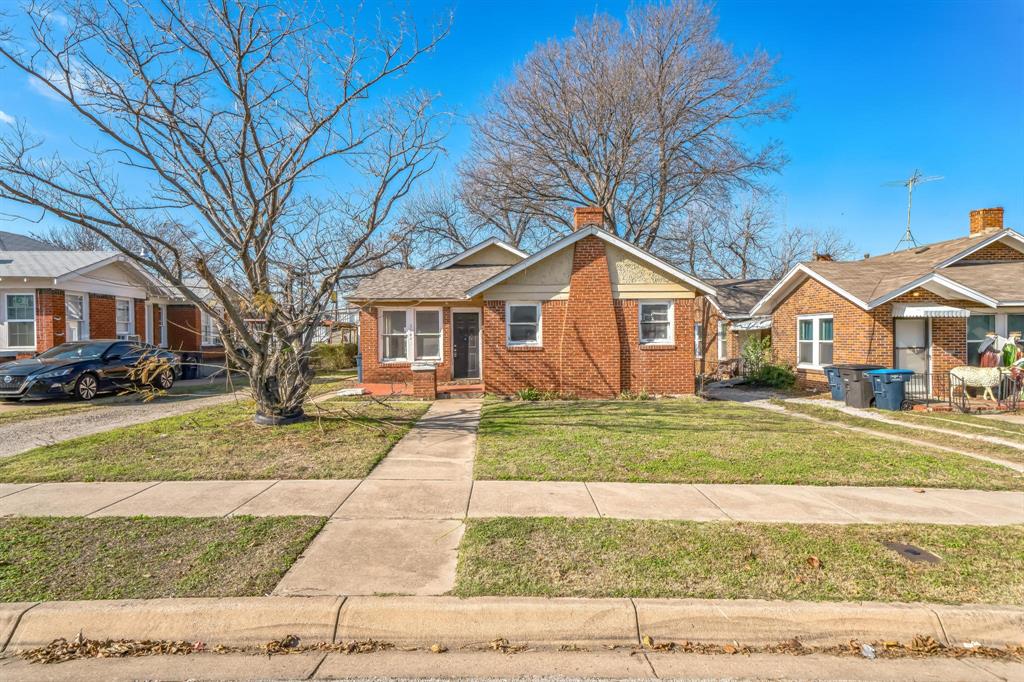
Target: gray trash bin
857	385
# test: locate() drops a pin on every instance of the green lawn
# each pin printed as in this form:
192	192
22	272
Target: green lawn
690	440
345	440
45	558
23	412
989	449
556	557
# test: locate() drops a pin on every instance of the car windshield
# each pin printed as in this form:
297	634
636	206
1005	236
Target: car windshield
75	351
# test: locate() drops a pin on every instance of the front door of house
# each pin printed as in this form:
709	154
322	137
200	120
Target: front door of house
466	345
910	346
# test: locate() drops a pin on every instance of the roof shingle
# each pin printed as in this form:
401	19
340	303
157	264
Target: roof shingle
423	285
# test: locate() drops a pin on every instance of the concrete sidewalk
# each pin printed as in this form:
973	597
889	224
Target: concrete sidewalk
399	530
440	488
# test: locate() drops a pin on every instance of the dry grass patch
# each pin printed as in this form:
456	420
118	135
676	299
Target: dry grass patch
45	558
694	441
556	557
346	439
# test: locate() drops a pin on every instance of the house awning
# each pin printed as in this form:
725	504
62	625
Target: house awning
927	310
753	324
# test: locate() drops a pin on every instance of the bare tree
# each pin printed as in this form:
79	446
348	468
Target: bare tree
449	217
218	124
642	119
745	240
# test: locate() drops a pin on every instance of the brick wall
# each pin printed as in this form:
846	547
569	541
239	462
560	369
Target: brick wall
375	372
657	369
994	252
140	318
590	342
183	330
590	362
102	317
50	324
864	336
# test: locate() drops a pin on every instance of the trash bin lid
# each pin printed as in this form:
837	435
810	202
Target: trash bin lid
890	371
855	366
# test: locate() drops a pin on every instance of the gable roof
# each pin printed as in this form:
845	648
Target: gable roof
9	241
493	241
604	235
423	285
61	266
735	297
876	280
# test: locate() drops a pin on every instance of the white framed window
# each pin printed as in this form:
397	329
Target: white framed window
657	322
209	334
76	316
124	314
814	338
698	340
427	333
408	334
20	319
723	340
983	324
523	324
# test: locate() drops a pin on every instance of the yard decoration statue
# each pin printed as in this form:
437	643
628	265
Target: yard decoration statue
979	377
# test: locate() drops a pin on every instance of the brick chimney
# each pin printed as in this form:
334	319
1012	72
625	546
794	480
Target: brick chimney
588	215
985	219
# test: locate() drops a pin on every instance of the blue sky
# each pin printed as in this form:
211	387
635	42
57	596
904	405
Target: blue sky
880	88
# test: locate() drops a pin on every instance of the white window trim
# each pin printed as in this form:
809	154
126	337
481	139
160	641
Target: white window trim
671	341
163	325
213	338
131	319
539	343
410	335
814	340
698	340
35	324
85	314
723	339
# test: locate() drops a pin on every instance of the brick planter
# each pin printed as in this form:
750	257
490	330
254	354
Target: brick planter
424	380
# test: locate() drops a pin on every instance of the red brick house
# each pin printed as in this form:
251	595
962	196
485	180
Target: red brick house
927	308
726	323
591	315
49	296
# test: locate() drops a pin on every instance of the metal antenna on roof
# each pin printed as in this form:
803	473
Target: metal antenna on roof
915	179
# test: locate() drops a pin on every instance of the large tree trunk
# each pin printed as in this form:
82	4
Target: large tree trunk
279	382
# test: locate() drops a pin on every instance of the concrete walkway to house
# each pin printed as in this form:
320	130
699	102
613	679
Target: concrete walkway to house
399	530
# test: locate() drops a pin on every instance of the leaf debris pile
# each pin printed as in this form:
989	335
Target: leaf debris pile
919	647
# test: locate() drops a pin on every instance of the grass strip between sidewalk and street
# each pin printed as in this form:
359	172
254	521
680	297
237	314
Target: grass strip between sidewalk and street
47	558
695	441
980	447
342	439
559	557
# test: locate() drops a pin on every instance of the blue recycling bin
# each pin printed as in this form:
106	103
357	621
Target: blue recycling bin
835	383
890	387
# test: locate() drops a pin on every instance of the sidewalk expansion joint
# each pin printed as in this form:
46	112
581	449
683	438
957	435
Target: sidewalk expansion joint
14	628
636	623
126	497
942	626
586	487
21	490
316	668
337	620
713	503
272	484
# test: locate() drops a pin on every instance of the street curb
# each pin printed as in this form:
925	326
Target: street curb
539	622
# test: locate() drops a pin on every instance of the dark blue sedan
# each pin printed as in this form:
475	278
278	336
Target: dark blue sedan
84	369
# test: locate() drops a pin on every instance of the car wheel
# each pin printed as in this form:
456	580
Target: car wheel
86	387
165	380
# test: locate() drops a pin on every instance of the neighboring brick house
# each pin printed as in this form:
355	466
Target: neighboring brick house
725	323
49	296
591	315
927	308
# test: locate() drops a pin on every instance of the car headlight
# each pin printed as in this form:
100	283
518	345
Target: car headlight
56	373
